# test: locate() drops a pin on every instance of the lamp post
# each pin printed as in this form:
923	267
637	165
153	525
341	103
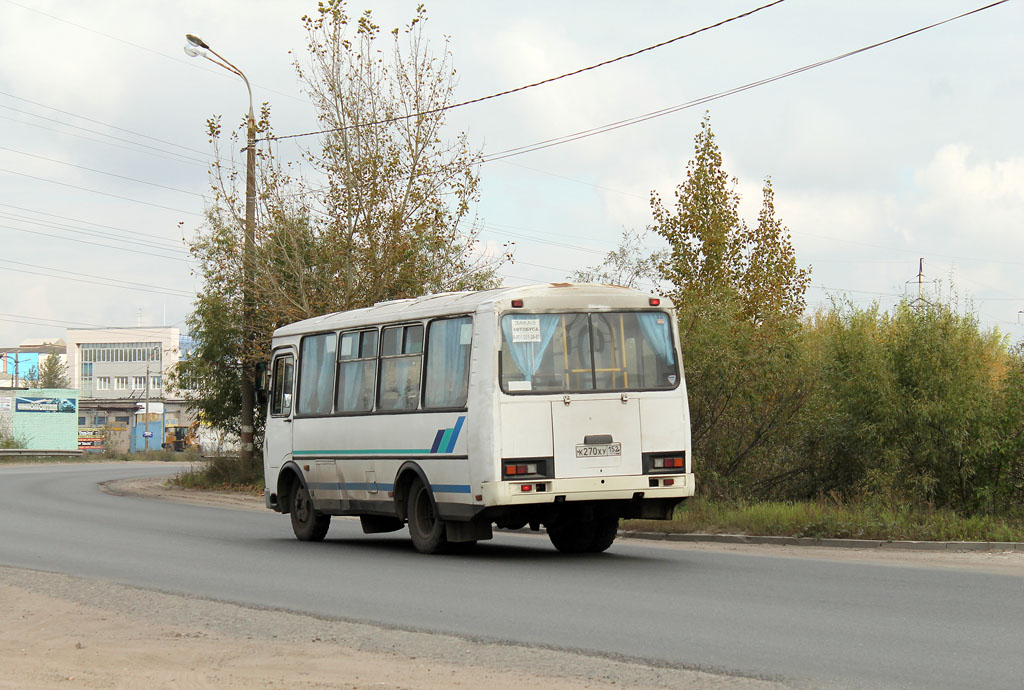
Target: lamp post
196	47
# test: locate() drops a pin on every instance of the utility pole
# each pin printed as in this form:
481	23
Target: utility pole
920	277
920	284
198	48
145	434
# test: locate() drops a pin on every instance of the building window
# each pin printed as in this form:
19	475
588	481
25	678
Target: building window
121	383
102	383
81	421
138	383
123	420
154	381
101	420
120	352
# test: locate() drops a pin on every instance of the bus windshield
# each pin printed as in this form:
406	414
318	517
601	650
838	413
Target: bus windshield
595	351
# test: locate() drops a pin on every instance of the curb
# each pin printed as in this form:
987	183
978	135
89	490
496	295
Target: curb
833	543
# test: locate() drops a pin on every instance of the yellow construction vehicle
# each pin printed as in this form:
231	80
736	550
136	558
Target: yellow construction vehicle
181	438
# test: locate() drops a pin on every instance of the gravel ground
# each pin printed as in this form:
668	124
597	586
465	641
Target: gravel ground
62	631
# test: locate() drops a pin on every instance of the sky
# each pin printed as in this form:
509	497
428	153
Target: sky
909	151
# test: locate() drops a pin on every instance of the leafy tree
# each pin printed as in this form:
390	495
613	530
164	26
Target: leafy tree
713	252
389	215
629	265
772	285
30	378
702	230
53	373
739	295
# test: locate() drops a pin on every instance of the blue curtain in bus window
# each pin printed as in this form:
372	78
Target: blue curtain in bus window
354	394
526	345
448	347
316	376
657	334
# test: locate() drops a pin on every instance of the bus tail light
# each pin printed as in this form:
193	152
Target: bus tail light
654	301
664	462
526	487
527	468
668	463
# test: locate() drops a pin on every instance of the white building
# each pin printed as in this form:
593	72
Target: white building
122	362
119	369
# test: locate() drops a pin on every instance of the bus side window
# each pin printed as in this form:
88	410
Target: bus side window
316	373
449	342
357	365
400	363
281	401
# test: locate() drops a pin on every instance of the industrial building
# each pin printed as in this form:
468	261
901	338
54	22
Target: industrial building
121	376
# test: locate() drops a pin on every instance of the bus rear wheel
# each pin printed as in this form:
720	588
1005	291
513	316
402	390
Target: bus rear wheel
583	536
307	524
425	528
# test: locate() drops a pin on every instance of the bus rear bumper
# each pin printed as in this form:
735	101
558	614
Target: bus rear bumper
630	487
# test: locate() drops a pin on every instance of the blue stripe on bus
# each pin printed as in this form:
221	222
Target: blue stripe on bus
451	488
455	434
366	451
367	486
444	442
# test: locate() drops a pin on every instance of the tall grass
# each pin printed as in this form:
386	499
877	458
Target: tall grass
828	519
226	472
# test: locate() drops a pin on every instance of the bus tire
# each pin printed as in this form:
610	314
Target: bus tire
307	524
606	529
572	535
425	528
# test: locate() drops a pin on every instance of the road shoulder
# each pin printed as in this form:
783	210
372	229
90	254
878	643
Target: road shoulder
61	631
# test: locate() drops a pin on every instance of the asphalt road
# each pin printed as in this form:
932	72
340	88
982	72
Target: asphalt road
816	622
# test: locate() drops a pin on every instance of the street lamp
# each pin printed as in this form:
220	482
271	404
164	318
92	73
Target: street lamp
196	47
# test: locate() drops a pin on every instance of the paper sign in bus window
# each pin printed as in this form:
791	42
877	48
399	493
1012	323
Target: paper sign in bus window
466	334
526	331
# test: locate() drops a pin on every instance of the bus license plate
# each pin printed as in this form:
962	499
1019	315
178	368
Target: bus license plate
599	450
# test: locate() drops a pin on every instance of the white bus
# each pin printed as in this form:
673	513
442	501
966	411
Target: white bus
557	405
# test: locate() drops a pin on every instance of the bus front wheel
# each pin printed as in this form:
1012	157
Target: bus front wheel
307	524
425	528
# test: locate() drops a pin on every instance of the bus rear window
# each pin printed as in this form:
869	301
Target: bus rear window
579	352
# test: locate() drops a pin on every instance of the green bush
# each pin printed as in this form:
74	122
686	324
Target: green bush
224	472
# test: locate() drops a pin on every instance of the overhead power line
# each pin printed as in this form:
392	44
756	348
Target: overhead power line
156	153
602	129
97	244
98	122
529	86
161	244
87	222
104	134
50	272
100	172
63	323
96	191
